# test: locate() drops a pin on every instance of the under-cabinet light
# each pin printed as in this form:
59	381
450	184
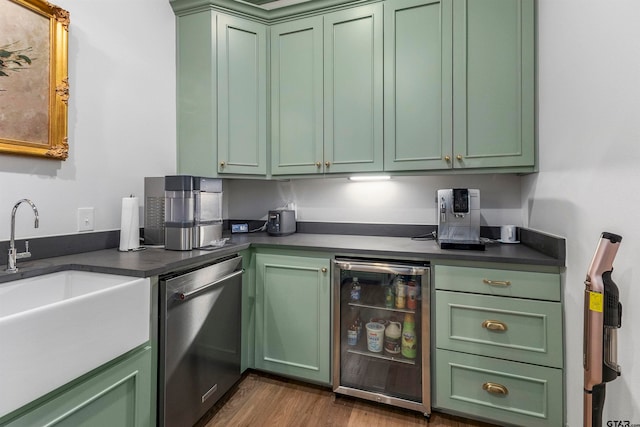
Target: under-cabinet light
370	178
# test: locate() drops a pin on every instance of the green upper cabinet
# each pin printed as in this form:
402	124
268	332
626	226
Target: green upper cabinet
418	84
196	92
326	93
296	97
396	85
459	85
493	83
222	95
353	109
242	96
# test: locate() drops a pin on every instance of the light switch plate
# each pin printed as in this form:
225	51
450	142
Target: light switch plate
85	219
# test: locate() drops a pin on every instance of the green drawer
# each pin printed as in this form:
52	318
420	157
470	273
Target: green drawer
474	324
534	394
512	283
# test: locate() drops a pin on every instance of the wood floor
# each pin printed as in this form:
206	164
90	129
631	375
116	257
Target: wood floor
265	400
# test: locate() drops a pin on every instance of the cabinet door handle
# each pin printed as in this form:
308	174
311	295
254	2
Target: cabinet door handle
327	164
318	164
459	157
222	164
447	159
494	325
496	282
323	269
495	388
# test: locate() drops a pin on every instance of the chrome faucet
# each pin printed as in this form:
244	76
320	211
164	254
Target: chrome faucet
14	255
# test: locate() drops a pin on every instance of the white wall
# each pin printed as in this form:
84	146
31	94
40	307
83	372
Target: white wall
121	119
402	200
589	143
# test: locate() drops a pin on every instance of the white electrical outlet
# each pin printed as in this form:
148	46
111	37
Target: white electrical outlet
85	219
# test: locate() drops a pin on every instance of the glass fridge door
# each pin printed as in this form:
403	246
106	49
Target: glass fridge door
382	313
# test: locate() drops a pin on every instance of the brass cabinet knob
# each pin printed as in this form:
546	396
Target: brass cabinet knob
318	164
496	282
323	269
495	388
494	325
327	164
447	158
222	164
459	157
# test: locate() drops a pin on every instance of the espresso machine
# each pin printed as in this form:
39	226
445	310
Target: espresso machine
458	211
602	319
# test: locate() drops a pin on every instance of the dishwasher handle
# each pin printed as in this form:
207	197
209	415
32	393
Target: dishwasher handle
186	295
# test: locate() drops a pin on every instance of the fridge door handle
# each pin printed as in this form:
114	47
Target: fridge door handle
373	267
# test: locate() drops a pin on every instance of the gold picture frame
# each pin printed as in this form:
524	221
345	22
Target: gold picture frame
34	85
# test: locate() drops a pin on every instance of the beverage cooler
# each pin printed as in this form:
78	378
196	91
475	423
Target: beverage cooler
381	332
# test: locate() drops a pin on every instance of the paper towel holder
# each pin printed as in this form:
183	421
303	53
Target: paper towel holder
130	225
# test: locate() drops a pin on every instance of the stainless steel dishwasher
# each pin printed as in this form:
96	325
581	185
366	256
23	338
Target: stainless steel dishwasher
199	334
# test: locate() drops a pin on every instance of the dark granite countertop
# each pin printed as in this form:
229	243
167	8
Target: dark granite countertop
399	247
145	263
157	261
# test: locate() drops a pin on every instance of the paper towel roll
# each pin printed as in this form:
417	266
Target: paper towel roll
129	224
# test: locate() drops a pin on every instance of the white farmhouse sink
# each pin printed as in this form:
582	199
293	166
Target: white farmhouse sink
57	327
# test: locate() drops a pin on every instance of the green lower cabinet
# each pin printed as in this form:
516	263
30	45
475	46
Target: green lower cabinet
499	339
498	390
293	316
509	328
118	395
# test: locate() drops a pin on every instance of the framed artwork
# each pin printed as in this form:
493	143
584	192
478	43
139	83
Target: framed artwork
34	86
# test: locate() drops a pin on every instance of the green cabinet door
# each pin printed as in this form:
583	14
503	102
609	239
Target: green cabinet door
418	87
118	395
505	392
493	83
296	97
242	96
293	315
353	109
197	152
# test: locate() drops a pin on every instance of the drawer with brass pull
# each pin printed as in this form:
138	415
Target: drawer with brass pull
507	328
505	392
489	281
